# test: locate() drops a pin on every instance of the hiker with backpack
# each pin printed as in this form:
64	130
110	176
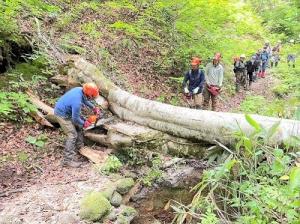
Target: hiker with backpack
264	62
251	66
240	72
193	83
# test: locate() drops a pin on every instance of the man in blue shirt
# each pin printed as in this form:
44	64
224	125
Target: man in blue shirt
195	79
264	59
67	111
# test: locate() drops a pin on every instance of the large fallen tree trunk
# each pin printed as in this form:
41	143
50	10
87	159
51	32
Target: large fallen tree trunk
187	123
121	135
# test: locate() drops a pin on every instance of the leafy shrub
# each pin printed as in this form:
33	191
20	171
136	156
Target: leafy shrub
256	182
111	165
15	106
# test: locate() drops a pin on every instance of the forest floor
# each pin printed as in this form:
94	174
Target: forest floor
39	190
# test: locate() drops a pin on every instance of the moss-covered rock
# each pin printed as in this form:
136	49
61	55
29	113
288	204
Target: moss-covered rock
127	215
94	206
116	199
108	192
124	185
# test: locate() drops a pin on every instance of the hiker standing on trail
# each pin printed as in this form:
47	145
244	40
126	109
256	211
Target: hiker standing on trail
251	66
268	48
274	59
240	72
291	59
258	61
214	78
195	79
264	61
67	111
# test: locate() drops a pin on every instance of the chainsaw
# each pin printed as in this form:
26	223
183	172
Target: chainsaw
97	122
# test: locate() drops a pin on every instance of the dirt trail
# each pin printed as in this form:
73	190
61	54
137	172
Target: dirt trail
261	87
51	202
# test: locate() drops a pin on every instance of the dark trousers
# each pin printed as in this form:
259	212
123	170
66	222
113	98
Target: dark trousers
207	96
250	75
74	140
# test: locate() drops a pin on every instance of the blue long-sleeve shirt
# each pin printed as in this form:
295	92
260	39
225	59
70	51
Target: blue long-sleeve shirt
69	105
264	56
195	78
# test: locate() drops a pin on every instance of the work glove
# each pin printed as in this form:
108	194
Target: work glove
86	124
195	91
97	111
186	90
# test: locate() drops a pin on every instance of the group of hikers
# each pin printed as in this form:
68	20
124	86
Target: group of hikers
247	72
198	84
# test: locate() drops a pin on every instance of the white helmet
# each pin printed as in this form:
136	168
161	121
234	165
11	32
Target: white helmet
243	56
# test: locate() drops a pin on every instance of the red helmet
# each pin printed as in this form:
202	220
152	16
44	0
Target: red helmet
90	90
217	56
196	61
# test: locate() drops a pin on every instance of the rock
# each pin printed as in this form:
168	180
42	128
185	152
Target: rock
94	206
112	216
176	176
124	185
116	199
126	215
9	219
108	192
67	218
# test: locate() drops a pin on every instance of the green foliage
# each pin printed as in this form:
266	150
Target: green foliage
76	11
23	156
11	10
111	165
15	106
281	17
133	30
256	184
285	108
38	141
91	28
154	174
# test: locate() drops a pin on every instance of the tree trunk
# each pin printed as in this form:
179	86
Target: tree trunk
199	125
121	135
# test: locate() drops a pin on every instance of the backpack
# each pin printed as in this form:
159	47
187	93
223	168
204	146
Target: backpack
264	56
198	75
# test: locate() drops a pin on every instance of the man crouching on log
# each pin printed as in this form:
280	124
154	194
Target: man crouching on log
67	111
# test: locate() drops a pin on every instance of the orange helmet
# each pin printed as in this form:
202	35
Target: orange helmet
217	56
90	90
195	61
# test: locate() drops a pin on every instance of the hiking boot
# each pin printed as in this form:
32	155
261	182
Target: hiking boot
71	163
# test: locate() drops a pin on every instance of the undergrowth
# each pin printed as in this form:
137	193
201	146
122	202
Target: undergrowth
256	184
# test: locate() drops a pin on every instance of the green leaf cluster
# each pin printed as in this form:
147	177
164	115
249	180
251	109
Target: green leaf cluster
38	141
15	106
111	165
